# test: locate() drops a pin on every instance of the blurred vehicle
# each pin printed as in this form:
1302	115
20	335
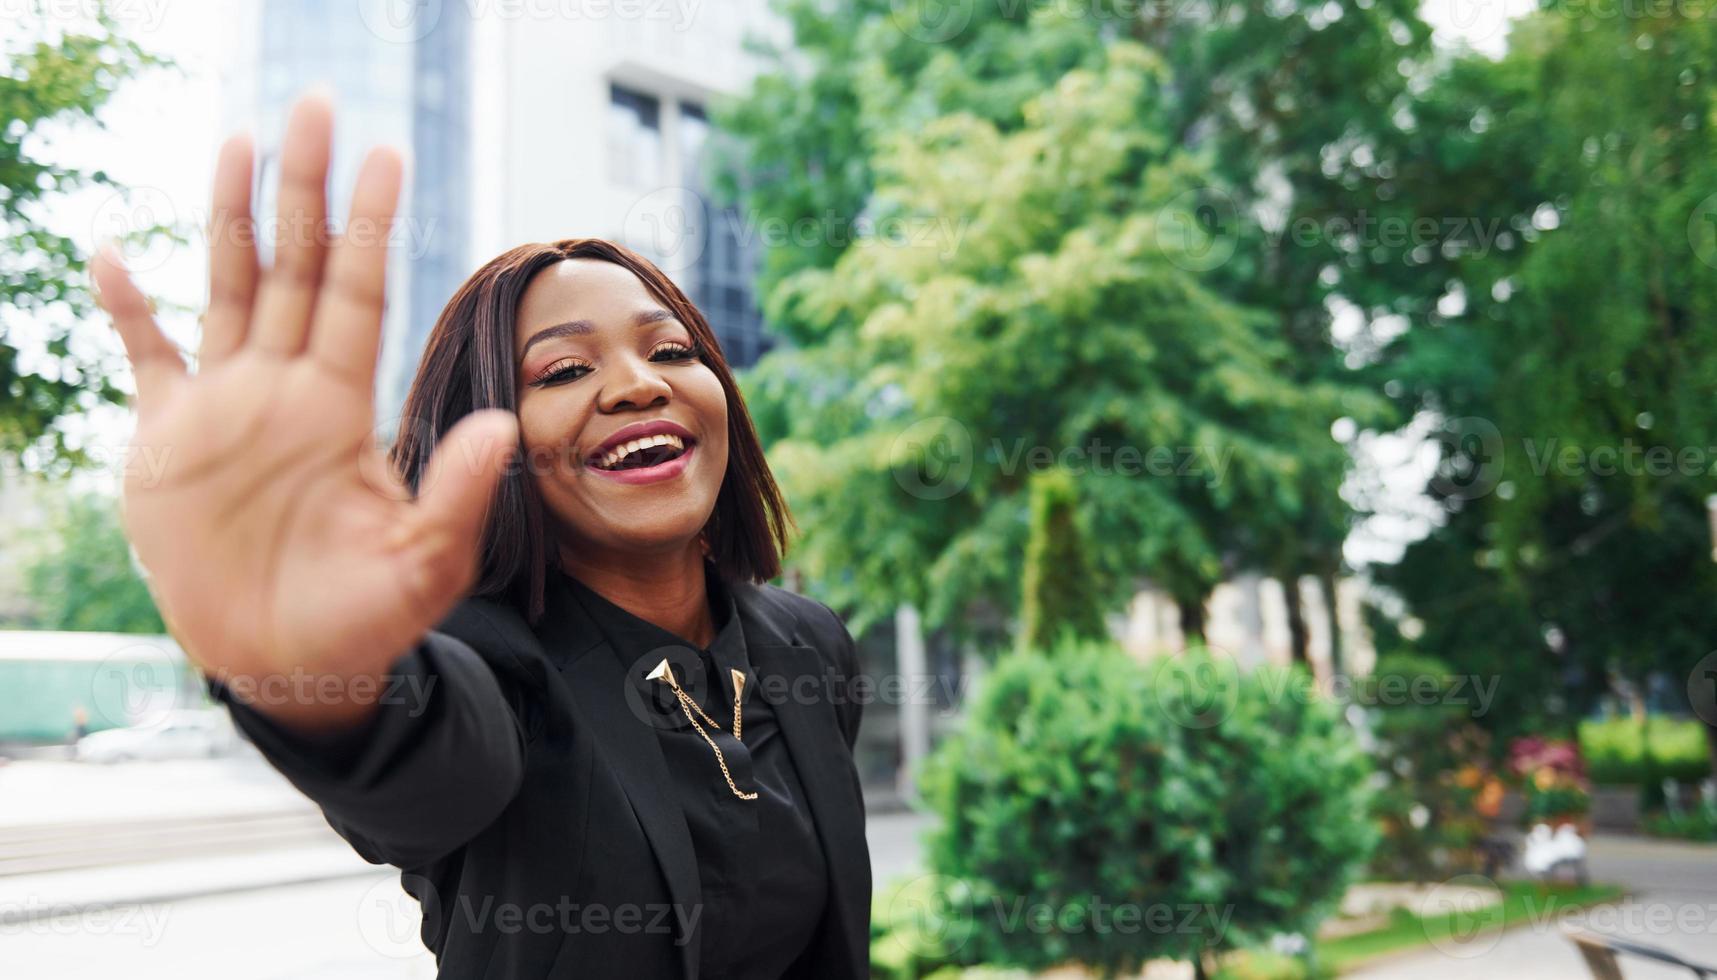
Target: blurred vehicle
178	735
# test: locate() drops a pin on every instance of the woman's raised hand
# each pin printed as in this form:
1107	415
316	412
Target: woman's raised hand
276	539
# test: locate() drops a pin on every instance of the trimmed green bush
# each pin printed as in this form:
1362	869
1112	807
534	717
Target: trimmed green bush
1061	591
1624	751
1098	810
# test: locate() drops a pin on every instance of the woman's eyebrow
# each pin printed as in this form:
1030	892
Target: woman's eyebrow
571	328
648	317
575	328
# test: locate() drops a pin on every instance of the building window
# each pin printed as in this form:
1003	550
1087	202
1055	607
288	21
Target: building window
694	135
722	276
634	137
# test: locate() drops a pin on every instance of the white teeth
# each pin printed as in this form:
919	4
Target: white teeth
620	452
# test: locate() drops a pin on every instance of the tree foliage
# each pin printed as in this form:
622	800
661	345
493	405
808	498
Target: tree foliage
50	80
1041	303
1263	118
83	577
1570	362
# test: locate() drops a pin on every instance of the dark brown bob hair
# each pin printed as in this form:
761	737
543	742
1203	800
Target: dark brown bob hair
468	365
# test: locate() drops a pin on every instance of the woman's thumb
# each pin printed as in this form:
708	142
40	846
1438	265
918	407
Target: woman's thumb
459	482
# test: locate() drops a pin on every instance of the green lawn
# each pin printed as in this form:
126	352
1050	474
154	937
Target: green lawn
1523	902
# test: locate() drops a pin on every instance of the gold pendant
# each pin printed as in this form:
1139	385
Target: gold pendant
665	674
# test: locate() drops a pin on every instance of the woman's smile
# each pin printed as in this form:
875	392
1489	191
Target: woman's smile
647	469
641	445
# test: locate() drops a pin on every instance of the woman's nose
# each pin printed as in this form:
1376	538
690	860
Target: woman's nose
633	384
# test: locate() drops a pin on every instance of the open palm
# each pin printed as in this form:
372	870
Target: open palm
276	538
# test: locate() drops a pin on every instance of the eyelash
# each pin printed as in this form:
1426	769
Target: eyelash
556	374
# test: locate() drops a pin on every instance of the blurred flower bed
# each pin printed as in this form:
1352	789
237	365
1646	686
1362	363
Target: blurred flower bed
1553	779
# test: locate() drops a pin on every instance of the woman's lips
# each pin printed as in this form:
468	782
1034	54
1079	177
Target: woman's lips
649	474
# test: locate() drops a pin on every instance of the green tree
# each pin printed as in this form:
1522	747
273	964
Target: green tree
1288	105
50	79
1031	301
1571	361
83	577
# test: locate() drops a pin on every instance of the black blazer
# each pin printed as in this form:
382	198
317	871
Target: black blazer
529	806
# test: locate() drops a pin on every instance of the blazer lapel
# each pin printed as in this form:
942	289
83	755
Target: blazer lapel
598	680
792	677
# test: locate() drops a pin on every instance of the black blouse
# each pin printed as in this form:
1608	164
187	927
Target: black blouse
765	882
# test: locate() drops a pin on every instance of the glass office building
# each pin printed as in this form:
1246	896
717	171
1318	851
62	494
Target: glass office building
601	129
401	74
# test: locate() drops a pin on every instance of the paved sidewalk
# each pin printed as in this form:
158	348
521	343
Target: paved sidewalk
29	898
45	793
41	792
1672	905
359	926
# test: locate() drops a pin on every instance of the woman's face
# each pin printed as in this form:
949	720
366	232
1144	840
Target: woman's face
599	358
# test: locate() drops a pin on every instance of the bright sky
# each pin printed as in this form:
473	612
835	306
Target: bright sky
162	132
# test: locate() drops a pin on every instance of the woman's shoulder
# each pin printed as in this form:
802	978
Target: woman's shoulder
827	631
496	630
827	634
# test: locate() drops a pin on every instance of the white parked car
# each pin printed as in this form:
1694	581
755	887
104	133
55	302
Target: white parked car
177	735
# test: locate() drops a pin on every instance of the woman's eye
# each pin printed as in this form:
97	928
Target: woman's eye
673	352
557	373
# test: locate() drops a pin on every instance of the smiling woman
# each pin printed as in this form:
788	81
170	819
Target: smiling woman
592	348
626	753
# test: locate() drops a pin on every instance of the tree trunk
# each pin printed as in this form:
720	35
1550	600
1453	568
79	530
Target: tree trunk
1297	638
1328	580
913	663
1191	621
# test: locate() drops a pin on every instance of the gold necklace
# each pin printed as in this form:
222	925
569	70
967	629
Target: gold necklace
665	673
